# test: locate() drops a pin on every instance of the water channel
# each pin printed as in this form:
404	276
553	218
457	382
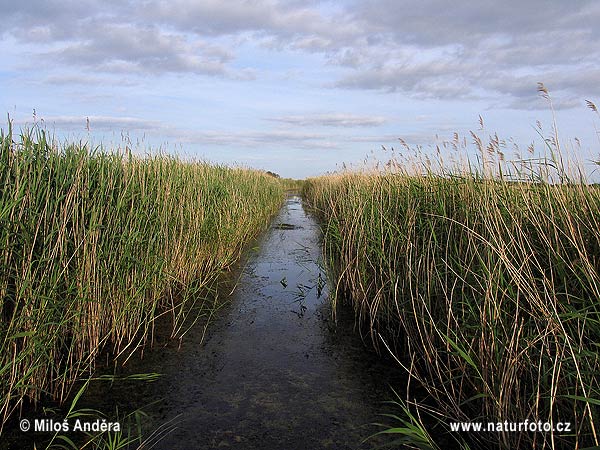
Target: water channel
274	370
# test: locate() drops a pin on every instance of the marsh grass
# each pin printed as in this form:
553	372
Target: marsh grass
483	278
131	434
95	245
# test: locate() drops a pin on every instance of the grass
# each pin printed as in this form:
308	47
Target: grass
129	436
483	278
94	246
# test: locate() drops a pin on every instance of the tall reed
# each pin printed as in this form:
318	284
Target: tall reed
483	279
95	245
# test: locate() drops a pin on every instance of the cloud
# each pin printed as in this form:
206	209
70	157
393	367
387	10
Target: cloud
256	139
487	50
114	40
537	103
331	120
432	23
435	78
481	50
103	123
128	48
288	20
285	140
249	139
181	36
78	79
73	79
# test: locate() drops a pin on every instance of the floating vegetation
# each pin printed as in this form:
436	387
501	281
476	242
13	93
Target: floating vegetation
285	226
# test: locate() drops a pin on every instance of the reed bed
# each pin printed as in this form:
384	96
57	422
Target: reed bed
483	280
95	245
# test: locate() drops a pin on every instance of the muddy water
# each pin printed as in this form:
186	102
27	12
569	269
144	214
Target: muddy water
273	371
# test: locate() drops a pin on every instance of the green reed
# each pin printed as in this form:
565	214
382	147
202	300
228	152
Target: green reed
95	245
484	282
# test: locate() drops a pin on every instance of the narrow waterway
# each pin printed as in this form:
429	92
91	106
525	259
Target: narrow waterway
273	371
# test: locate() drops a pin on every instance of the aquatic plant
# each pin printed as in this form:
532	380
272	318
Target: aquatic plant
483	277
96	244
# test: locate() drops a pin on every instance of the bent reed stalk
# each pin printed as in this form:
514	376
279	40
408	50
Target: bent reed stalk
95	245
484	282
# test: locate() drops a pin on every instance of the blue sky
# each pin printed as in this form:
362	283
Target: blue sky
300	87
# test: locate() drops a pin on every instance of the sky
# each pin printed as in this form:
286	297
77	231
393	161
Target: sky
300	87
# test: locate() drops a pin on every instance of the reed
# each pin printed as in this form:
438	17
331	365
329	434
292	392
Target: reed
95	245
483	278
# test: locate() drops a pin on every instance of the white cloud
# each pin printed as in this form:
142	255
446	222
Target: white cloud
424	49
105	123
130	48
331	120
